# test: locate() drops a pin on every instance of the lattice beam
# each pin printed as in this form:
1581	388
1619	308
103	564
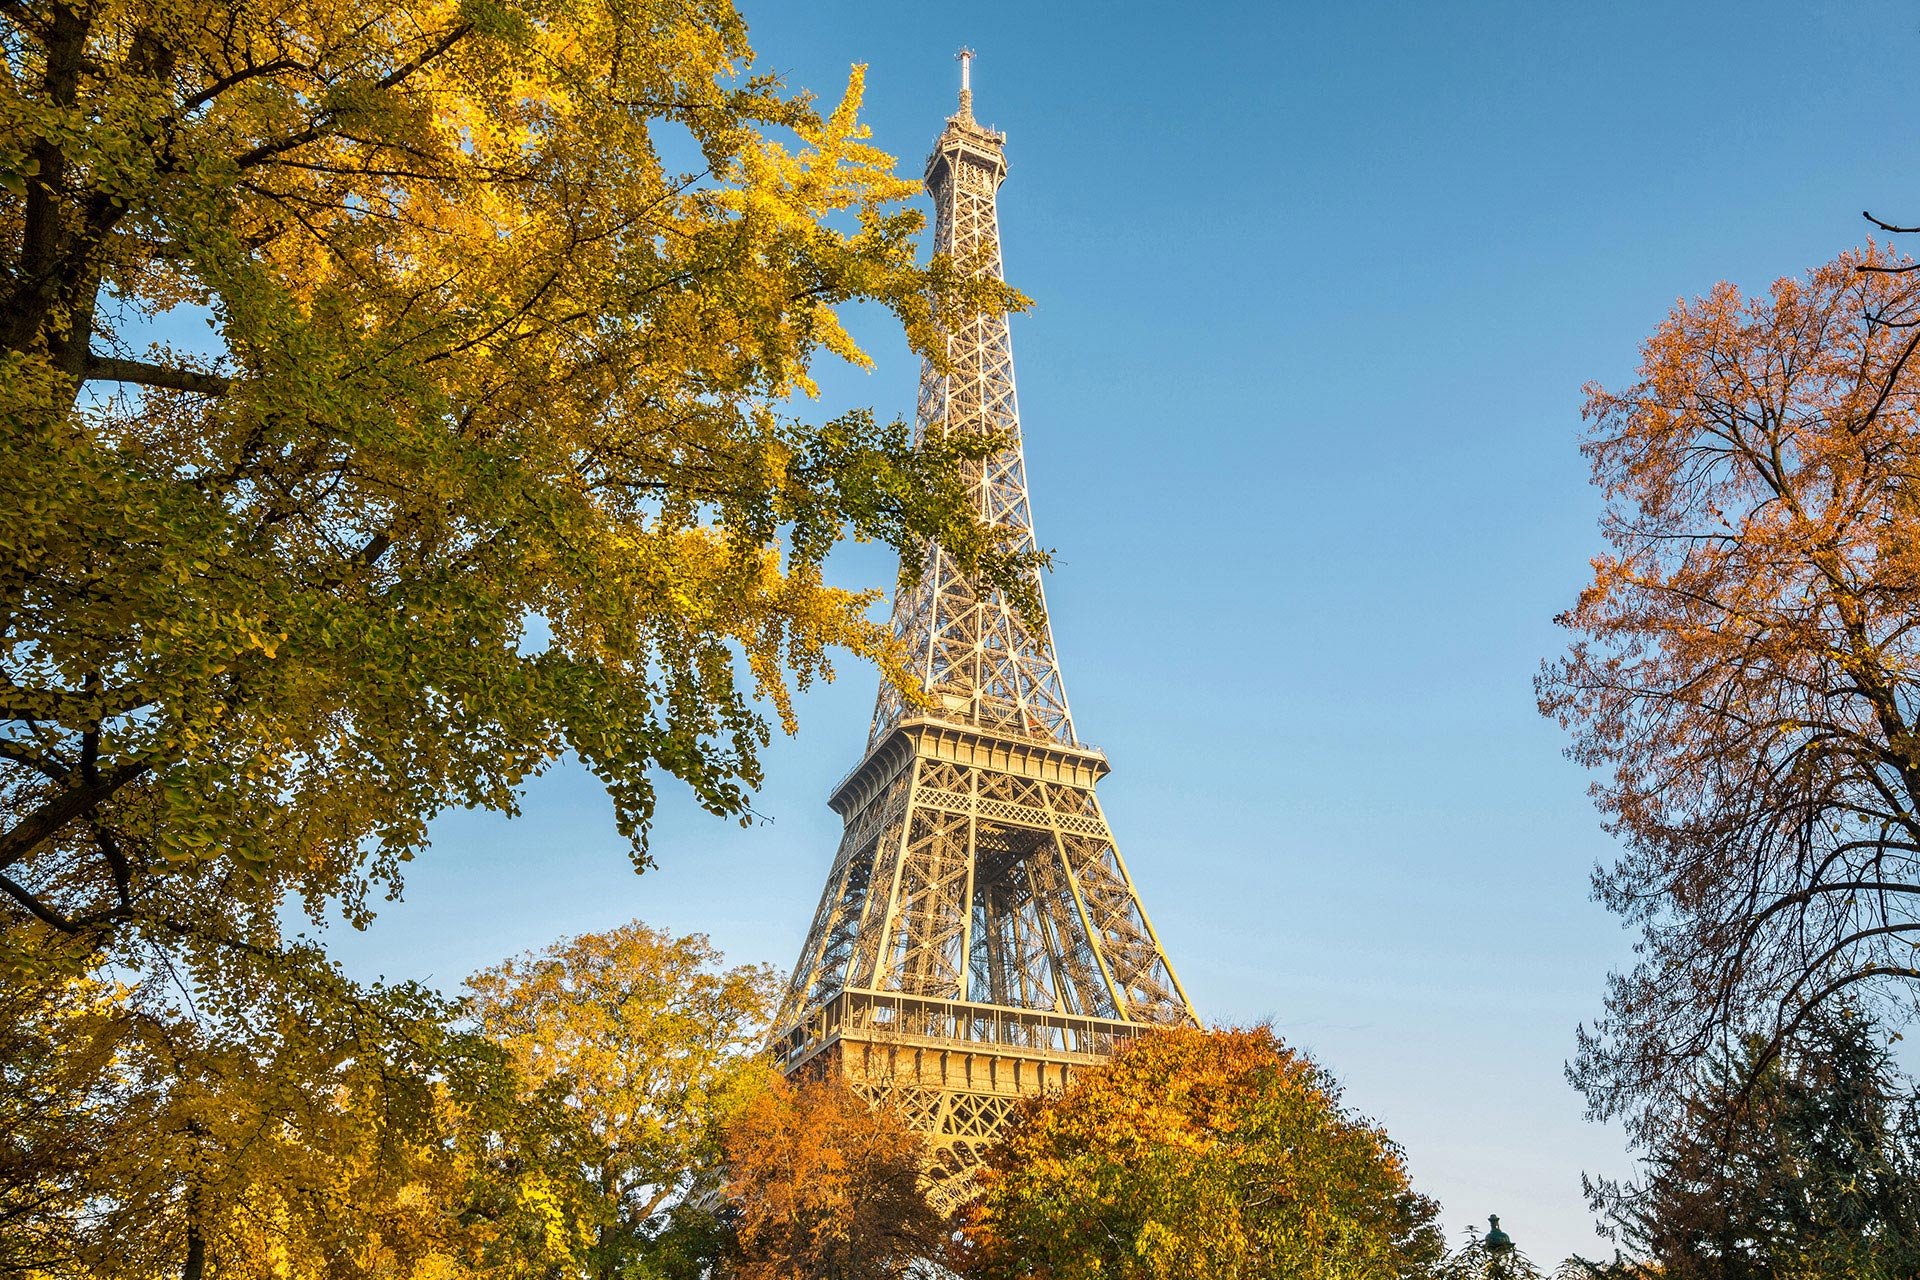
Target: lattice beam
978	935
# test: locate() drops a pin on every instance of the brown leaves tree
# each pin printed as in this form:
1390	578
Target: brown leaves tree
1745	671
826	1186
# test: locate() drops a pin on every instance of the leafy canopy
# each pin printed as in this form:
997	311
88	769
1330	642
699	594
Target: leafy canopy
824	1184
1745	672
289	1122
488	457
1215	1153
632	1049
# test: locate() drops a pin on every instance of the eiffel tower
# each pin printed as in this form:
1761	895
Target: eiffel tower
978	936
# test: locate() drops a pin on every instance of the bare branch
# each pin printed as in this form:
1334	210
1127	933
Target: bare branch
1888	226
115	369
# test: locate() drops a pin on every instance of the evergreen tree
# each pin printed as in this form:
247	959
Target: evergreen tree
1806	1164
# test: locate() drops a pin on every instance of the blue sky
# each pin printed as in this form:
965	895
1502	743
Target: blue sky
1315	293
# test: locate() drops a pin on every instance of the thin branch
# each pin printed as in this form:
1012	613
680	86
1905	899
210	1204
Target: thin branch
1888	226
240	77
320	128
36	908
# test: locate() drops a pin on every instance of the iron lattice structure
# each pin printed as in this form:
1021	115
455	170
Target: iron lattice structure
979	936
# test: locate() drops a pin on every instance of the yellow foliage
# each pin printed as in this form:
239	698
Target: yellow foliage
1191	1153
641	1047
494	449
492	453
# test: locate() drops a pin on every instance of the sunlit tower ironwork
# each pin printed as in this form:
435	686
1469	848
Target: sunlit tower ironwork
979	936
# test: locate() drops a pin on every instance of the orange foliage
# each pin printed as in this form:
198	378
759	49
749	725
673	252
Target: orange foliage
1199	1153
826	1187
1746	668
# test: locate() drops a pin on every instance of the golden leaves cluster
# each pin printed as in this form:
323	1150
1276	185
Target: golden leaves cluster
1198	1152
489	452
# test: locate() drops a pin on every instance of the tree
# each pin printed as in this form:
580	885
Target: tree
1805	1165
639	1047
1477	1259
824	1185
291	1123
490	457
1199	1153
1745	670
490	454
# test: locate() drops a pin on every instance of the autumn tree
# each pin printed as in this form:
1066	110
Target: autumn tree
825	1185
292	1122
1803	1166
1199	1153
1745	674
637	1047
489	454
492	447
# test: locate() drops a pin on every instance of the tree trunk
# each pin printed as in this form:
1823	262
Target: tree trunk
196	1264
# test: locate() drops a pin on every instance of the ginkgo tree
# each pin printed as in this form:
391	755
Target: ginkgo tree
494	448
490	456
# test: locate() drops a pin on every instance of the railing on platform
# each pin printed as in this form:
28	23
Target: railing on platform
899	1018
1036	736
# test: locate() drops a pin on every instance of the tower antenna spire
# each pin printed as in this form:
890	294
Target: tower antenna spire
965	58
978	938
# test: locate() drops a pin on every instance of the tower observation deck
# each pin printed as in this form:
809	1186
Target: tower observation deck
979	936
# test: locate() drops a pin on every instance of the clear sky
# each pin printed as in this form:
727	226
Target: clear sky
1316	289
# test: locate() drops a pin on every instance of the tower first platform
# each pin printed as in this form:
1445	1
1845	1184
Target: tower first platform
979	936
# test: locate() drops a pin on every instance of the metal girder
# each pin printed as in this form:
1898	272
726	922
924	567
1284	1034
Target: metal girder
978	935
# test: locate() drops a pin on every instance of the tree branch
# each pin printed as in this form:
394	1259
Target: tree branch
1888	226
36	908
319	128
114	369
44	823
23	702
